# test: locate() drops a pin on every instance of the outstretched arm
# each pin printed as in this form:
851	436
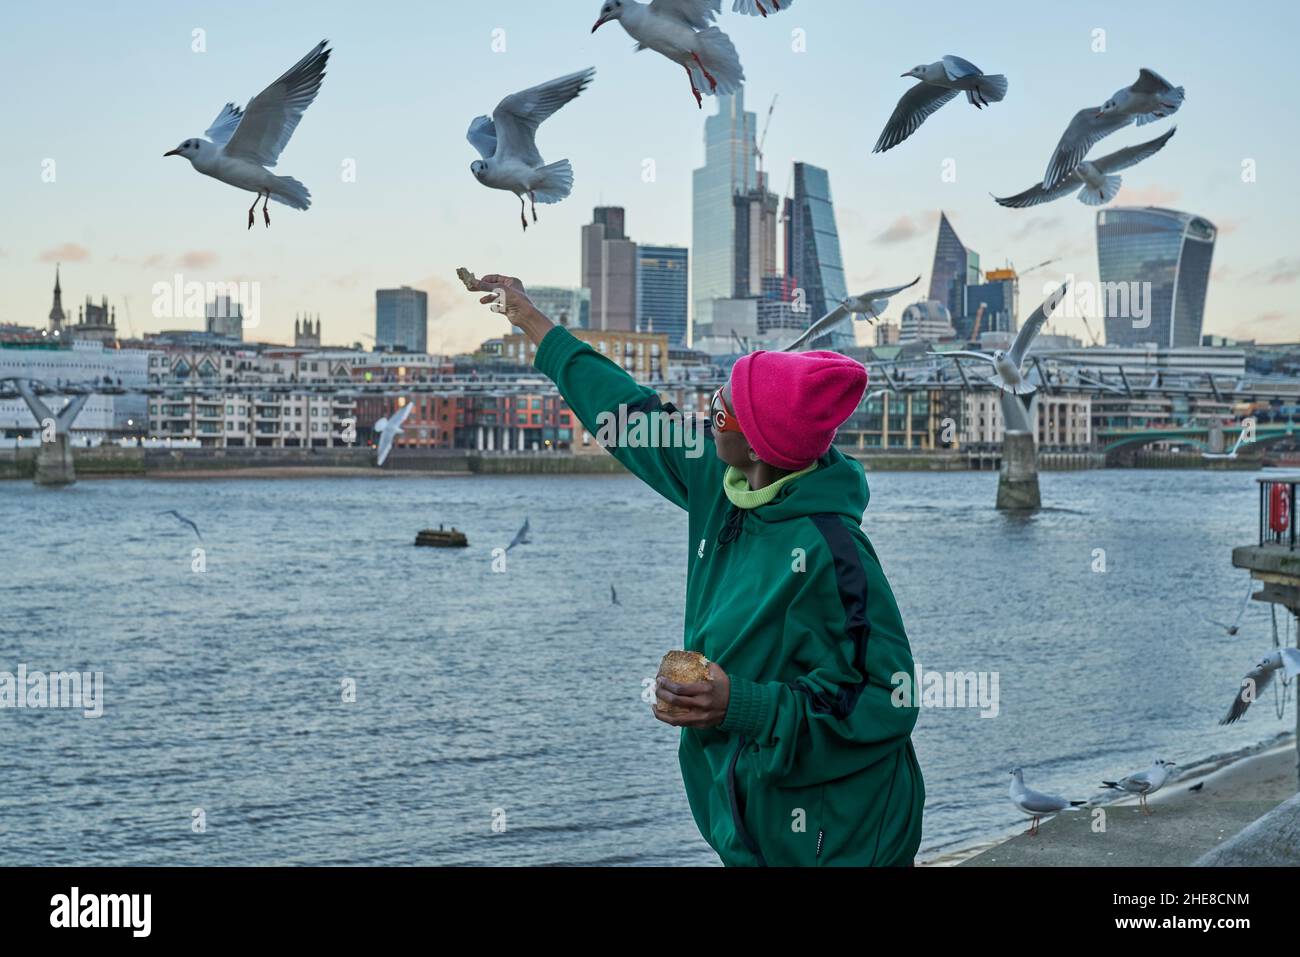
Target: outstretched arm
603	395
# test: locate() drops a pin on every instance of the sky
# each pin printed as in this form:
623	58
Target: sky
100	90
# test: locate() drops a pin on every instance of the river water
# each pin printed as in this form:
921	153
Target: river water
498	717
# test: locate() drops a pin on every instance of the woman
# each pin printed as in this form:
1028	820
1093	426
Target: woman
794	752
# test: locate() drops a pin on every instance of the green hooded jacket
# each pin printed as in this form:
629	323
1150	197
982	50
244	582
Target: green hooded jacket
813	764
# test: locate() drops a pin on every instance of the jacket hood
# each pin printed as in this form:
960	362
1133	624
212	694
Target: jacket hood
838	485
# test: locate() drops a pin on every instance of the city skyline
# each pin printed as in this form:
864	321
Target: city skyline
120	219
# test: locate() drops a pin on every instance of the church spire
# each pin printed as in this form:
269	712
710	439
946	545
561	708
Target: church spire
56	312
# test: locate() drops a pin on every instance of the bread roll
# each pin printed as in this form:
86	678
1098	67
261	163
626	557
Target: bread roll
683	667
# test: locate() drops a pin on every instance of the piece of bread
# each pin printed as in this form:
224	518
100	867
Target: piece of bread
683	667
467	277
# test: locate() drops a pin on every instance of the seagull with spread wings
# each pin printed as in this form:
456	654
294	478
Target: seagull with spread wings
506	141
1094	179
682	31
939	82
389	428
1007	374
1150	98
183	520
242	144
1286	660
867	306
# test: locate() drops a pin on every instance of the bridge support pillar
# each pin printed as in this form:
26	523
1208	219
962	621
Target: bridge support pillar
54	462
1018	477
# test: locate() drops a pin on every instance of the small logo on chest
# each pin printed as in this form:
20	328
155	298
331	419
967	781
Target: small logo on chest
699	553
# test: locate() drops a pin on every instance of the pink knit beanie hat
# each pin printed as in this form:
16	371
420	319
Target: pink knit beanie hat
789	404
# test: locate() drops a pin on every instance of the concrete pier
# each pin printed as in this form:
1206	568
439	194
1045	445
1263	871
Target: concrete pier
54	462
1018	476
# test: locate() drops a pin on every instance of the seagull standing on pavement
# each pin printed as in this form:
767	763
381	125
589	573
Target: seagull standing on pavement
1035	803
1145	783
242	144
1094	179
940	82
1151	97
867	306
507	143
681	31
1258	678
389	429
1007	374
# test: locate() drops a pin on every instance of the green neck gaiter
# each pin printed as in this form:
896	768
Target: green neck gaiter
742	496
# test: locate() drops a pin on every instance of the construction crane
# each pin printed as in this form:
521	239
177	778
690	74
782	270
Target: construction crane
1045	262
1091	335
975	329
762	140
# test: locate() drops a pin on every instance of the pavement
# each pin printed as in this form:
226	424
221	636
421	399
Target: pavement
1183	824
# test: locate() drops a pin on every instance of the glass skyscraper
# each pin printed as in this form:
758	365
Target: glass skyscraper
1167	249
951	272
661	302
812	251
402	319
730	167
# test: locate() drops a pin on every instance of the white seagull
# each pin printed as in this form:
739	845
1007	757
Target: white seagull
681	31
389	428
1232	629
1007	374
1094	179
1035	803
940	82
755	8
1259	677
1150	98
1232	452
241	144
508	143
867	306
1145	783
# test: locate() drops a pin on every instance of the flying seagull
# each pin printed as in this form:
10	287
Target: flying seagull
1007	374
521	537
867	306
1094	179
755	8
183	520
1035	803
1259	677
613	596
1232	629
1232	452
242	144
940	82
389	428
1145	783
1150	98
681	31
508	143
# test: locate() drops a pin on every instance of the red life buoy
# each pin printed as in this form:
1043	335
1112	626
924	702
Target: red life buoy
1279	508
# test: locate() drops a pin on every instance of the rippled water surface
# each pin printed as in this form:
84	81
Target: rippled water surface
484	697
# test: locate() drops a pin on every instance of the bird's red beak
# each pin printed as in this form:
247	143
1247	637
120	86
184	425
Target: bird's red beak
172	153
598	23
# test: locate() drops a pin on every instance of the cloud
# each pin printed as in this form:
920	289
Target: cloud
444	295
197	259
1280	272
66	253
1270	317
1146	196
1037	224
900	230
